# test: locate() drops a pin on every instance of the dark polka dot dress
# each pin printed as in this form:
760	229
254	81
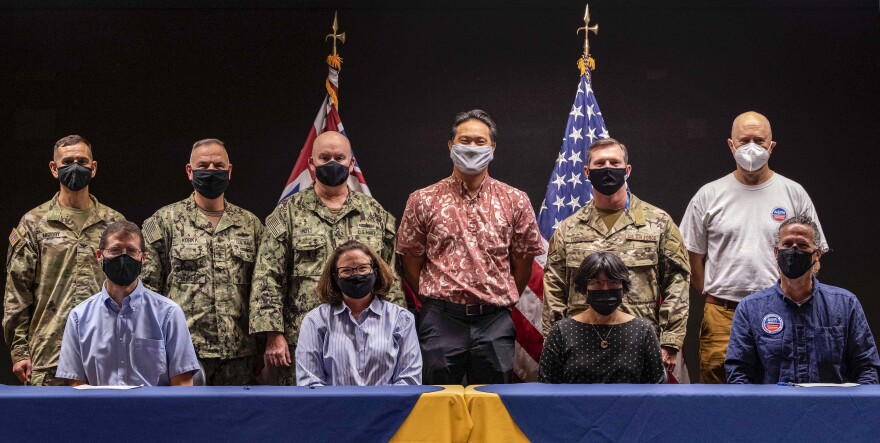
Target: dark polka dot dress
576	352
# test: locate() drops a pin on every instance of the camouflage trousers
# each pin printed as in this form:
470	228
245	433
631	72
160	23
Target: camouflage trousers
46	377
228	372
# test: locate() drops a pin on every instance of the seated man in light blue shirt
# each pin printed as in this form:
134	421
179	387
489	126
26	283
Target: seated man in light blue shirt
356	337
126	334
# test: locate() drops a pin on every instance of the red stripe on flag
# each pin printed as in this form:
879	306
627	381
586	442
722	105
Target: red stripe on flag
302	161
527	336
536	282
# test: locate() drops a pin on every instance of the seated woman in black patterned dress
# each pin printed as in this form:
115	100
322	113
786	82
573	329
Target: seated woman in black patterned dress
602	344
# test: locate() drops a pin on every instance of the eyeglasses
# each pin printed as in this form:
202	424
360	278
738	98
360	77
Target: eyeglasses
360	270
116	252
596	284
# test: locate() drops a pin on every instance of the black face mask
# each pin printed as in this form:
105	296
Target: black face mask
122	269
607	180
331	173
210	183
604	301
75	176
357	286
793	262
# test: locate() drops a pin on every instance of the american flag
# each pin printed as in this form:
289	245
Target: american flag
327	120
569	189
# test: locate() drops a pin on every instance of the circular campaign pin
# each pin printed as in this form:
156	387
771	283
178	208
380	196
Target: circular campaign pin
772	324
779	214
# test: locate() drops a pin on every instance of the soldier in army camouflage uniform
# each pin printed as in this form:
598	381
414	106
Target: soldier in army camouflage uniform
201	255
51	266
642	235
301	234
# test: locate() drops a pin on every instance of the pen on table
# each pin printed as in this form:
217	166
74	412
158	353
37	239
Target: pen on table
785	383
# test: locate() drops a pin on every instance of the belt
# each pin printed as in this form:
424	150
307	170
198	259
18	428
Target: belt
720	302
459	309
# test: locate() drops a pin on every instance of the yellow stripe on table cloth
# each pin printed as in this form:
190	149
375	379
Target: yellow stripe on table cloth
440	416
492	422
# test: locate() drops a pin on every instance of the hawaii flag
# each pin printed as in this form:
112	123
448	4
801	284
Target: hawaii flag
327	120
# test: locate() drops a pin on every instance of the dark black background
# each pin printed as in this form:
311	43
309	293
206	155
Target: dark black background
143	82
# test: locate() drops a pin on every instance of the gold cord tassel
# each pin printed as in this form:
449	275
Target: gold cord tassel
586	62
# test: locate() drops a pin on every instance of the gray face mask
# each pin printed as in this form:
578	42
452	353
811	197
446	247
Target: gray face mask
751	157
471	160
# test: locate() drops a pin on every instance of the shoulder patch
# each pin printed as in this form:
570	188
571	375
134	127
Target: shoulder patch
152	233
15	239
275	226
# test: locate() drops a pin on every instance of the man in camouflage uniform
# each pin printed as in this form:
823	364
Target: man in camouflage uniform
642	235
51	266
301	234
201	255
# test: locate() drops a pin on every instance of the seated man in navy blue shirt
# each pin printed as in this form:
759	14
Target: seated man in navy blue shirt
126	334
799	330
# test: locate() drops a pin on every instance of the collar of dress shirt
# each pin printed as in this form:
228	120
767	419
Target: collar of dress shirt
133	301
781	293
375	306
458	185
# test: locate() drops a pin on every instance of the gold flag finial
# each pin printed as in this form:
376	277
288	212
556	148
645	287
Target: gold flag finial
586	61
334	35
587	28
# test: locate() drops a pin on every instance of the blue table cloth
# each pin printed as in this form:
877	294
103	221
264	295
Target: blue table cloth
573	413
246	414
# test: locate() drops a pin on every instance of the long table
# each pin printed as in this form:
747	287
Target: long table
239	414
563	413
507	413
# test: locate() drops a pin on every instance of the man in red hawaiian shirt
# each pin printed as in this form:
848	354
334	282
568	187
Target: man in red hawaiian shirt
468	243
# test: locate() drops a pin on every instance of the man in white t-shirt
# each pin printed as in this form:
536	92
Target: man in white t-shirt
728	229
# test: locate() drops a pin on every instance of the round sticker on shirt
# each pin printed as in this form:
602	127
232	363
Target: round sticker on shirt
772	324
779	214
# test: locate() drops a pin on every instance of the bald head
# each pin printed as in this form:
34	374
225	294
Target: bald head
748	121
751	127
333	141
330	147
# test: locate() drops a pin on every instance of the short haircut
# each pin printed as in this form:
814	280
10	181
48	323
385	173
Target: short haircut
604	143
208	141
328	289
599	262
801	219
71	140
121	227
474	114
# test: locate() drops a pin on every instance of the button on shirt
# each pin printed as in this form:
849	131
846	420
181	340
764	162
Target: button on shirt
826	339
144	342
381	347
469	240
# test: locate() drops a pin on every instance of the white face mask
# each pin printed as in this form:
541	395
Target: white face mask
471	160
751	157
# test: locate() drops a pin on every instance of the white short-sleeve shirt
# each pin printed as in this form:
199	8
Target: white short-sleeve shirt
735	225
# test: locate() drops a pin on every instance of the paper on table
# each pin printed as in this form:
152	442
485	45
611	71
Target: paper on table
106	387
826	385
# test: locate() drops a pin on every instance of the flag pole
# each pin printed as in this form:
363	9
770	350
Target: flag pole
334	60
586	61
